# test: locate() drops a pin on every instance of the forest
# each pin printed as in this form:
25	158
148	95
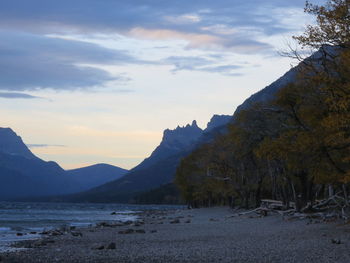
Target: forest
295	148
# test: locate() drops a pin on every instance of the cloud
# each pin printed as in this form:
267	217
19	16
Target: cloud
44	145
201	22
31	62
14	95
202	64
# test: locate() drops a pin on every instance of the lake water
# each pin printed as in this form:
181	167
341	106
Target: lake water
36	217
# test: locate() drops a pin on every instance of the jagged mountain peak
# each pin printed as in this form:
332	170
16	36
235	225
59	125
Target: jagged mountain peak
184	134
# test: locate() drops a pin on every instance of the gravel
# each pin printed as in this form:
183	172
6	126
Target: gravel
211	236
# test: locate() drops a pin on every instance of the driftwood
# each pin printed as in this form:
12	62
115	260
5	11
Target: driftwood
333	208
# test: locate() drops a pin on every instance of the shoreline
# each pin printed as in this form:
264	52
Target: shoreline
198	235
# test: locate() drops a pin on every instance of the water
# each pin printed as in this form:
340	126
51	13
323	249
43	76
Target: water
37	217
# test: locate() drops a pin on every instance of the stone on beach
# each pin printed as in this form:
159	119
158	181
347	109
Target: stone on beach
112	245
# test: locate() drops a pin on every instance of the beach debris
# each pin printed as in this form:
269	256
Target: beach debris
112	245
336	241
100	247
109	224
175	221
41	243
127	231
53	233
76	234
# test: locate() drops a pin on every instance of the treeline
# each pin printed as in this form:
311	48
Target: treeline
294	148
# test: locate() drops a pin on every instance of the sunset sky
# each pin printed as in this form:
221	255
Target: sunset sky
91	81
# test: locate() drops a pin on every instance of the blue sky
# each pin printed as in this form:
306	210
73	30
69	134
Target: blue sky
99	80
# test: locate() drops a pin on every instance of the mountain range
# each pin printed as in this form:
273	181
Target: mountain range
159	169
22	174
104	183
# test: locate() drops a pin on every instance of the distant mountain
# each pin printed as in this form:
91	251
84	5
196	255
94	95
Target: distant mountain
160	168
12	144
217	121
95	175
23	175
154	171
173	142
268	93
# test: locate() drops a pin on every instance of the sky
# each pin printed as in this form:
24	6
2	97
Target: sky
97	81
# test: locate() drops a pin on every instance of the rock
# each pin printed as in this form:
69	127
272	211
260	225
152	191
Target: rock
176	221
113	213
101	247
76	234
19	234
127	231
72	228
140	231
56	233
33	233
336	241
39	243
188	221
129	222
111	245
154	231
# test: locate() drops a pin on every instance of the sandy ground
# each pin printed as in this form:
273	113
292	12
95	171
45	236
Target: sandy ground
203	235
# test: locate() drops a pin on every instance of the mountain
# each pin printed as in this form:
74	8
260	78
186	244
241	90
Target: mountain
217	121
160	168
268	93
24	175
95	175
154	171
173	142
12	144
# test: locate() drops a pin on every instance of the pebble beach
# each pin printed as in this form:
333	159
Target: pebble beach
198	235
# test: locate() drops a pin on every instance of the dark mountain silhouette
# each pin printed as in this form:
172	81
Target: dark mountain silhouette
23	175
173	142
94	175
160	168
154	171
12	144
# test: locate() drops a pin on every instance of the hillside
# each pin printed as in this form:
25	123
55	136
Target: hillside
23	175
